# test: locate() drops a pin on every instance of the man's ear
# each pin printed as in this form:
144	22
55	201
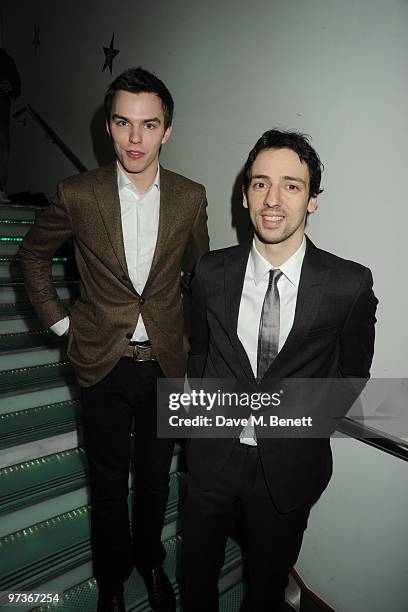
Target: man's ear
244	199
312	205
108	128
167	135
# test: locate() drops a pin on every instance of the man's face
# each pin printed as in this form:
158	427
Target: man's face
278	196
137	130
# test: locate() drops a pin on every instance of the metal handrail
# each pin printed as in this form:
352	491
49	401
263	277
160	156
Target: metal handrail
374	437
27	108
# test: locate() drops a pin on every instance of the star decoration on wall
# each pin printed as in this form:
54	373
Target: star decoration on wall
110	54
36	39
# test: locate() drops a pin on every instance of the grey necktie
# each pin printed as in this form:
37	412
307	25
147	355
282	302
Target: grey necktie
268	340
268	337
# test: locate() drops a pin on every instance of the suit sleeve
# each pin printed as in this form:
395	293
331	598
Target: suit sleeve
52	228
199	327
357	338
356	353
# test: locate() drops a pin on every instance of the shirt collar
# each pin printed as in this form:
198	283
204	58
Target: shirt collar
124	181
291	268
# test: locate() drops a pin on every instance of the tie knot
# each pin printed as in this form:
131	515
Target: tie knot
274	276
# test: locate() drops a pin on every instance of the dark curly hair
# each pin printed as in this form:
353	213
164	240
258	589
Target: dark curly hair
297	142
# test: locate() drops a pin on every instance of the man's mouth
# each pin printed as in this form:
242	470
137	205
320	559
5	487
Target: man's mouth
135	154
271	221
273	217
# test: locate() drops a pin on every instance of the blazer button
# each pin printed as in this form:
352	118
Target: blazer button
128	336
142	301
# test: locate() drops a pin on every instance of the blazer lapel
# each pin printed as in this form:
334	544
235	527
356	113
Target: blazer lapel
166	214
313	279
234	270
107	196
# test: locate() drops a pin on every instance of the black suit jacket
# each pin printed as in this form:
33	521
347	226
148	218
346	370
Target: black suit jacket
332	337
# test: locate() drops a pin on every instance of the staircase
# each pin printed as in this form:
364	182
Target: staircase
44	510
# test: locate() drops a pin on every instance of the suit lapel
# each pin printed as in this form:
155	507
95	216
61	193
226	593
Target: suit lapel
107	196
166	214
313	279
234	270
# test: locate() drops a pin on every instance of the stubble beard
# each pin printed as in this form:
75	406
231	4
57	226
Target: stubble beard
267	237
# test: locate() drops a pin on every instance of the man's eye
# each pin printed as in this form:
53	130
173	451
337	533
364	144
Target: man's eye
122	123
292	187
259	185
149	126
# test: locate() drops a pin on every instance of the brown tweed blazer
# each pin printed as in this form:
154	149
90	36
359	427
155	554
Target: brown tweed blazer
103	318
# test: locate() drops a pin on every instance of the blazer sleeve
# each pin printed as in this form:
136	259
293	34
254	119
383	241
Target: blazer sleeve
199	327
52	228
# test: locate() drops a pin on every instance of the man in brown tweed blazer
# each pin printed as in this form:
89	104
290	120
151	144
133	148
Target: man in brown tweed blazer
135	227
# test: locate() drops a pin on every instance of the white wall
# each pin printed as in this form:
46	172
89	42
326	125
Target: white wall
354	553
336	70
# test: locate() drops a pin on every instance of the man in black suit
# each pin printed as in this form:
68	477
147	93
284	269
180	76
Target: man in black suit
273	308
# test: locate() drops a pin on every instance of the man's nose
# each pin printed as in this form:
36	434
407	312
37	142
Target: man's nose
135	135
272	197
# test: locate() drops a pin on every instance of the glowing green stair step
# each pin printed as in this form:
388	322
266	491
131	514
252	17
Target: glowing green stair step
33	481
36	377
19	211
10	266
12	290
30	348
36	554
29	340
84	596
14	227
39	422
4	222
19	282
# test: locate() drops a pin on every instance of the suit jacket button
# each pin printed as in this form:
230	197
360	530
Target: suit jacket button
142	301
128	336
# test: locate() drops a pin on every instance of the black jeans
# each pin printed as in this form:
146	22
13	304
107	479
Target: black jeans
126	394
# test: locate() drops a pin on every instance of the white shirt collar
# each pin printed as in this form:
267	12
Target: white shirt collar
291	268
124	181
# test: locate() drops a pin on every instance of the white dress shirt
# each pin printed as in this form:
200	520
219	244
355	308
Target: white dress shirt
140	224
252	298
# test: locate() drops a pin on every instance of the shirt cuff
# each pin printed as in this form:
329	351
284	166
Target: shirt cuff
60	327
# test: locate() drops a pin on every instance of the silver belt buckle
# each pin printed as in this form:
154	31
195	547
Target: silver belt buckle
140	353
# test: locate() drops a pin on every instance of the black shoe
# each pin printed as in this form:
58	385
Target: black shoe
111	600
161	594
